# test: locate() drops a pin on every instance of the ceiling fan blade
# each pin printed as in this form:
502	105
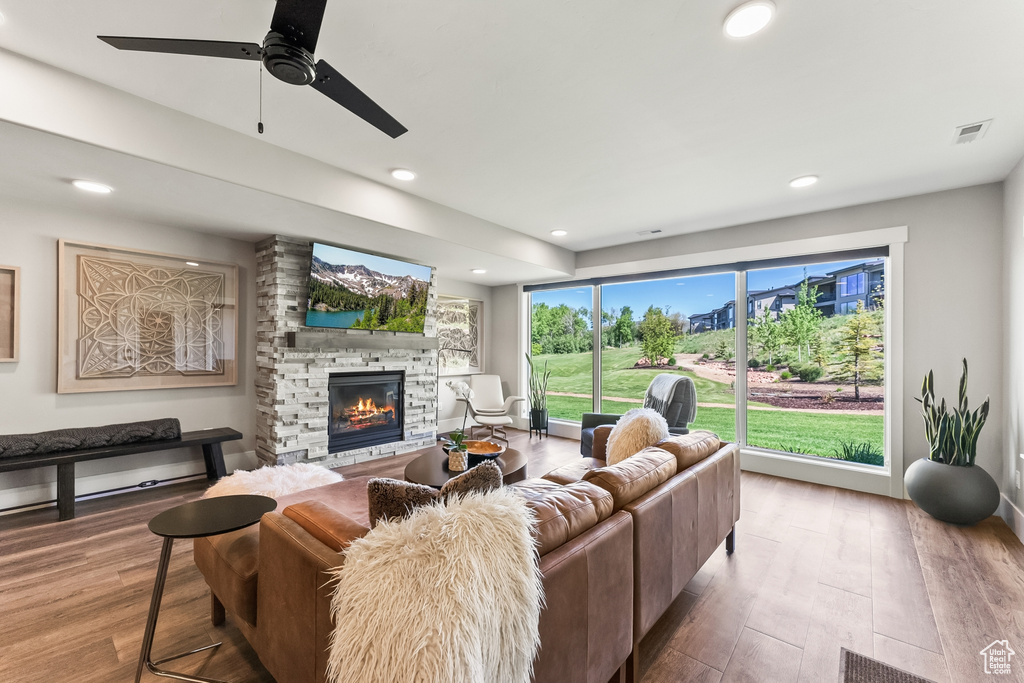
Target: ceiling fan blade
299	20
340	89
200	48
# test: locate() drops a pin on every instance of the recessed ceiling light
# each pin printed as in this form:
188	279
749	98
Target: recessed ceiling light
803	181
478	271
749	18
402	174
90	186
559	233
191	263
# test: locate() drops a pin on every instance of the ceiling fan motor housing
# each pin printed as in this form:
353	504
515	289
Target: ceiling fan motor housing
287	61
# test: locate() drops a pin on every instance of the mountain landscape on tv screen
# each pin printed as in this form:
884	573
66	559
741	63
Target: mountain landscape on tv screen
354	296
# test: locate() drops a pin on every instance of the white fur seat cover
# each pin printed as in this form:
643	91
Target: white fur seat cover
273	481
451	594
635	431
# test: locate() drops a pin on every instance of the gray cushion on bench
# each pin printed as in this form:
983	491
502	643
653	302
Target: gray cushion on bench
12	445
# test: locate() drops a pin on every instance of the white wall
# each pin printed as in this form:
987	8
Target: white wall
953	283
450	412
28	396
1013	335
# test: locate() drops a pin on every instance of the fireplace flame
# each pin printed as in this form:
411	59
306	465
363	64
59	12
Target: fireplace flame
366	413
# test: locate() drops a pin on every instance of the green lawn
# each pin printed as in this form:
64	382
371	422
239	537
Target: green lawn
571	373
818	433
815	433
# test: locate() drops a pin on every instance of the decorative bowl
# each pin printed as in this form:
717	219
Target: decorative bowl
484	449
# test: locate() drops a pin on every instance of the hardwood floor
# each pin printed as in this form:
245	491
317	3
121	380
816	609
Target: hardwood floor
815	569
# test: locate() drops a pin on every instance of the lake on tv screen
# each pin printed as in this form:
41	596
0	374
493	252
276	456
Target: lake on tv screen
342	319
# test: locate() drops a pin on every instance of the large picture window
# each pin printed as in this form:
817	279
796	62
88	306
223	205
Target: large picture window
562	339
814	369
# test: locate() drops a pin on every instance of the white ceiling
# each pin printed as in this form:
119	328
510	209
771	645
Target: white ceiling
599	117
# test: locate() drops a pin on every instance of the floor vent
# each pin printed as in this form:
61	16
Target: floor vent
970	132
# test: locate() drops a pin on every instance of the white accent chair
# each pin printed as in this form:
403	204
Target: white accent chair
488	407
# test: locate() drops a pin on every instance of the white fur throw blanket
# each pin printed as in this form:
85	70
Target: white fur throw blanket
451	594
273	481
635	431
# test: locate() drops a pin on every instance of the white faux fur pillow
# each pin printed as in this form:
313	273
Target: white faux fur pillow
273	481
450	594
635	431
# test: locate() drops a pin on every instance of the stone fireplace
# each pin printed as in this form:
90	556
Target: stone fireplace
296	421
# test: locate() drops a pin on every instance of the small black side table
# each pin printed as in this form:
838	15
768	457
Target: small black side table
199	518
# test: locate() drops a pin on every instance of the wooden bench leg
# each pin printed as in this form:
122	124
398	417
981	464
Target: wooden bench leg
214	456
216	610
66	491
631	669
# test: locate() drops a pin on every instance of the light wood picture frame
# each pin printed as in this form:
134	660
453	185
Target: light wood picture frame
131	320
460	335
10	295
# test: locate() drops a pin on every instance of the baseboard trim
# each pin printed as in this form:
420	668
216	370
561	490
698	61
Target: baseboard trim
1012	515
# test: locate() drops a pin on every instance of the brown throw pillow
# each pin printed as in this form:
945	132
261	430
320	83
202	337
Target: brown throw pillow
394	499
483	478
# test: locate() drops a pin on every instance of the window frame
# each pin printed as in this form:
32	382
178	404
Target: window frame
886	480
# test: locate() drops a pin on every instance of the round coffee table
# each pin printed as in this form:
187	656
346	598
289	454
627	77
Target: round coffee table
199	518
431	468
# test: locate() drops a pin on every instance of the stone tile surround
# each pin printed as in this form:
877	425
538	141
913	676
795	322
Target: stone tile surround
291	383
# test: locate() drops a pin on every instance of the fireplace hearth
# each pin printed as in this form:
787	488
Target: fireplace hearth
365	409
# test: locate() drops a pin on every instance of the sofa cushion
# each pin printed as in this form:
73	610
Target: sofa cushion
325	524
574	471
563	512
635	431
634	476
691	448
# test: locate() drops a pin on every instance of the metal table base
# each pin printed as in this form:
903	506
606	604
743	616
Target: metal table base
145	658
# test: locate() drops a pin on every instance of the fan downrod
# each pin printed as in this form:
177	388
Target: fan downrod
287	61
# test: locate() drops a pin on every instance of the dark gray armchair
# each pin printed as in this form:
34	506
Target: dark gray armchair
674	396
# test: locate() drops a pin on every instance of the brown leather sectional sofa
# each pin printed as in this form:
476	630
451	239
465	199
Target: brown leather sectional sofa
616	546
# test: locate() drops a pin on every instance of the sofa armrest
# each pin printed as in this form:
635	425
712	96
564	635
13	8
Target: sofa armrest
294	601
597	419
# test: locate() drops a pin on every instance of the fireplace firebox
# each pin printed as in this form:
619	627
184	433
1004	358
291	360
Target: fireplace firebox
365	409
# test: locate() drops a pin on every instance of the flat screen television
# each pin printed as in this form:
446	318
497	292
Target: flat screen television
355	290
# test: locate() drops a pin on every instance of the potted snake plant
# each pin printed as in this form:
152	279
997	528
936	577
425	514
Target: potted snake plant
538	395
947	484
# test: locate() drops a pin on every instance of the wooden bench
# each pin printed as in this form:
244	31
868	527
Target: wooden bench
209	439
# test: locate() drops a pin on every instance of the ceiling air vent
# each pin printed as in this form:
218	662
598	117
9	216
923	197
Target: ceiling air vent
645	233
970	132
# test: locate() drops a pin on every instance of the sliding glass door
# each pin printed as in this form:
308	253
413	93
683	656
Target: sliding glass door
814	369
648	328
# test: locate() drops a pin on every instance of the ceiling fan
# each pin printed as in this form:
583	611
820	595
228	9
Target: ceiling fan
287	52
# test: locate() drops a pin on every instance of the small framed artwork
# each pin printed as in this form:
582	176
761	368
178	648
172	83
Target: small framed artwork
130	319
10	293
460	324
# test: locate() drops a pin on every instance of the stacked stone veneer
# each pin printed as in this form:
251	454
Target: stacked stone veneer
291	383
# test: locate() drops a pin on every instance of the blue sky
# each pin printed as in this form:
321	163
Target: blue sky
689	295
337	256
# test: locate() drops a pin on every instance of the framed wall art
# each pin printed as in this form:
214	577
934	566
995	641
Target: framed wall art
460	324
10	293
130	319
